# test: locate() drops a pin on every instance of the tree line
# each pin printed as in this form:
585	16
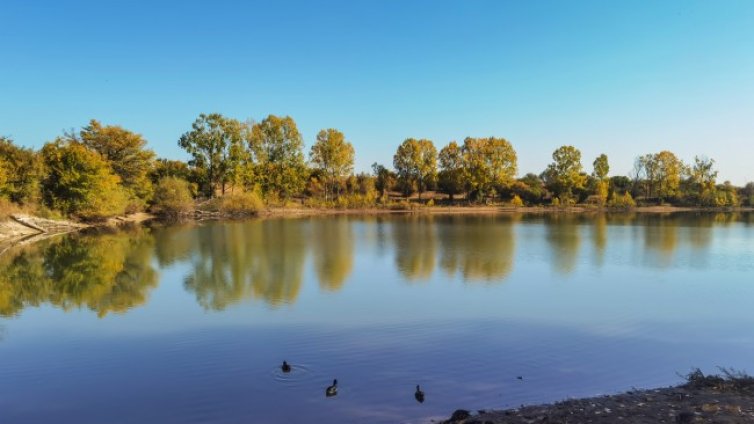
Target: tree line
106	170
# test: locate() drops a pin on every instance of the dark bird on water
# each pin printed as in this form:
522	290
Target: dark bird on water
332	390
520	377
419	395
286	367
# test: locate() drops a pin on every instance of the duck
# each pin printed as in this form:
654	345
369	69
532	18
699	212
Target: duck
332	390
286	367
419	395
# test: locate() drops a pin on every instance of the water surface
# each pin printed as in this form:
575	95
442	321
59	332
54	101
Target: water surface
189	323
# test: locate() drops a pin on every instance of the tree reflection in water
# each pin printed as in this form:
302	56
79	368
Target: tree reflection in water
415	243
254	259
333	249
105	273
229	262
480	248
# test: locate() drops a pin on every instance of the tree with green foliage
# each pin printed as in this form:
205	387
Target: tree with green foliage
564	174
601	183
79	182
126	153
490	163
415	162
451	178
333	156
278	149
384	179
20	173
216	144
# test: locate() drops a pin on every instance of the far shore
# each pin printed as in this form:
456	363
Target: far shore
24	229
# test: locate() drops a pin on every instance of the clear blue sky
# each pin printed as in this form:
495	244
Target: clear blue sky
624	78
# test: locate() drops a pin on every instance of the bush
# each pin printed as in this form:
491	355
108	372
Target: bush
516	201
248	203
172	197
625	201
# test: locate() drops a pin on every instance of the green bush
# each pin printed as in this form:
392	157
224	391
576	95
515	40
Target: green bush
172	197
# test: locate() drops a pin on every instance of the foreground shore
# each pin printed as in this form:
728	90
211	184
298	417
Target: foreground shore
703	399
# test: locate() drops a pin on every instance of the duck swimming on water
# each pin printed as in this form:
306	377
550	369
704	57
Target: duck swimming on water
419	395
286	367
332	390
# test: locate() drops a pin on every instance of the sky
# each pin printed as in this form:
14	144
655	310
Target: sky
621	78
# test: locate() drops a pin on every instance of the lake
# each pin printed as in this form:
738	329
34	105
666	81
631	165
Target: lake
190	323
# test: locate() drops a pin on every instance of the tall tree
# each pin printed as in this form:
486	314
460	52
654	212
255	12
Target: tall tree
451	177
702	177
669	171
601	167
489	163
333	156
602	183
415	162
126	153
384	179
216	144
564	174
278	150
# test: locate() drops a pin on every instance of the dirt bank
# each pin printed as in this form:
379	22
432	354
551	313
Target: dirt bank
703	399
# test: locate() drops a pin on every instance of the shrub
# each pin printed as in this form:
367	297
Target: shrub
624	201
172	197
517	202
247	203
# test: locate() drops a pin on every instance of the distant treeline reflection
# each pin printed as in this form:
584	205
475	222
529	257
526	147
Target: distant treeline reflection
225	263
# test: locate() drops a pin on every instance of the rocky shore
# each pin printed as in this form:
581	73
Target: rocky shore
726	399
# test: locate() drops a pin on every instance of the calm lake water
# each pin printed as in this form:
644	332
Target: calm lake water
190	323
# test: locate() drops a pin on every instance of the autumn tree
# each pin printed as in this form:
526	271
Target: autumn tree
702	177
333	156
126	153
451	178
602	183
415	162
669	171
278	150
489	163
564	174
21	172
79	181
216	144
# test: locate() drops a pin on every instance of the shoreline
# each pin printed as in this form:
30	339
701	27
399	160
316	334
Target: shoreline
727	399
19	228
461	210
